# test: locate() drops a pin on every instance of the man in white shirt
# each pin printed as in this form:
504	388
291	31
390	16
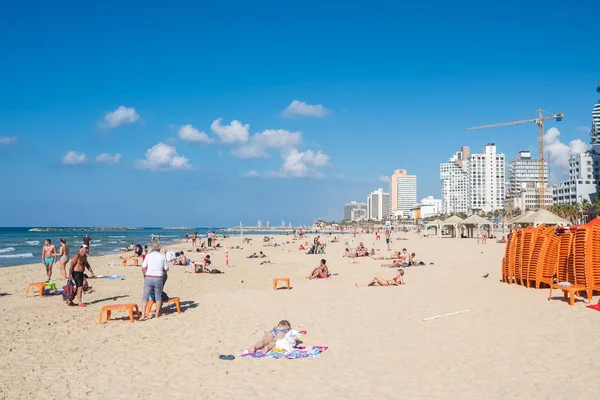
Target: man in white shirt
155	266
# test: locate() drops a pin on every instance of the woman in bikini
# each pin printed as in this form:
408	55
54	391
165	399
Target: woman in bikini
379	281
270	338
320	272
63	255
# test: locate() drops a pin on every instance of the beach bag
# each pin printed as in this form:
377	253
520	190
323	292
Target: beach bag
68	292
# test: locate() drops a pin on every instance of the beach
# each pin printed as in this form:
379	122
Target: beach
511	343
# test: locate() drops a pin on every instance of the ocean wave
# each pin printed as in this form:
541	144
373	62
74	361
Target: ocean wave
32	242
24	255
7	249
95	245
117	236
112	241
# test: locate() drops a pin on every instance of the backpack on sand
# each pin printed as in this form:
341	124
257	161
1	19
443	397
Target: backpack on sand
68	292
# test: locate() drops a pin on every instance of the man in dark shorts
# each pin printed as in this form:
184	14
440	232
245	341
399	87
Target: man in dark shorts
78	265
387	239
209	238
87	240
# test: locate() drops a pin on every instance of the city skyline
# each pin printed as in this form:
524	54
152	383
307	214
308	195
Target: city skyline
288	125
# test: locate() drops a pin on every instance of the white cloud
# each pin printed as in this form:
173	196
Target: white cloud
162	157
271	138
121	116
251	174
300	164
304	109
106	158
232	133
191	134
560	152
73	158
6	140
383	178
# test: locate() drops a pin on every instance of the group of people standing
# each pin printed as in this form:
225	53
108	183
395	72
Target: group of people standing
79	263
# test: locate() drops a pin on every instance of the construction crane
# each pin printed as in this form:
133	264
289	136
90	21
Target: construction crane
539	121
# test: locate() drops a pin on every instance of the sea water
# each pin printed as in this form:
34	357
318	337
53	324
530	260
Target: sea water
22	246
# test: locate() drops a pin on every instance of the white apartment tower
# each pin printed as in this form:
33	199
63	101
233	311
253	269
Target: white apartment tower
378	205
455	182
524	172
403	193
486	180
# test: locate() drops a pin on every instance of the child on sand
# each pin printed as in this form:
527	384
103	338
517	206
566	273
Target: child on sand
267	343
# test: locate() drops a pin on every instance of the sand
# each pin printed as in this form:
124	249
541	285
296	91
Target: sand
512	343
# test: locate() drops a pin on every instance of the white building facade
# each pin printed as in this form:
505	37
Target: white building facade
528	199
430	206
353	205
378	205
581	184
486	173
403	193
455	180
524	173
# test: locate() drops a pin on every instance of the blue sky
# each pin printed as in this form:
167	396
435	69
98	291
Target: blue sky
397	83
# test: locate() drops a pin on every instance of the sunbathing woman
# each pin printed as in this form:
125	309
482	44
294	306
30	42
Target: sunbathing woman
320	272
379	281
270	338
397	263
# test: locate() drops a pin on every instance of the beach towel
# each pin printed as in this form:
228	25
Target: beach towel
594	307
294	354
48	292
110	277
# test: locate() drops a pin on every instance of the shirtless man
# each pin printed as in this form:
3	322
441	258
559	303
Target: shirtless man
48	252
194	239
78	265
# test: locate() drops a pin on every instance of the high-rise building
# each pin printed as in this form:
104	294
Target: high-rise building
378	205
596	122
403	193
455	182
595	141
581	184
353	205
584	169
486	180
524	172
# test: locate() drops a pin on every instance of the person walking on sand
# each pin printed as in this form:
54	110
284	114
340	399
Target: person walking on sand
48	253
63	255
154	267
194	239
209	239
187	237
387	239
78	265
